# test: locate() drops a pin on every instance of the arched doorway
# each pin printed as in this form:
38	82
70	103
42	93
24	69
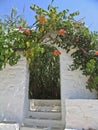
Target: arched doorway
45	75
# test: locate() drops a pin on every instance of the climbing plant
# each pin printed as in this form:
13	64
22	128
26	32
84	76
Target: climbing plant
56	28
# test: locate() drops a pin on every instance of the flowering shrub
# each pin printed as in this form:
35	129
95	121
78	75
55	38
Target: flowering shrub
62	31
58	28
56	52
41	19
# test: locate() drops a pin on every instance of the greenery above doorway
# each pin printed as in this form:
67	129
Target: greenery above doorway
45	75
16	36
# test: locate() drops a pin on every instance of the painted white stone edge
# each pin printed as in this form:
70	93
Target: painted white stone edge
14	125
70	129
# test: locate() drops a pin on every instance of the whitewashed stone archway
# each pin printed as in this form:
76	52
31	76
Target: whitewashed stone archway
14	82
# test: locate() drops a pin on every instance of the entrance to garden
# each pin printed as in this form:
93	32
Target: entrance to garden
45	75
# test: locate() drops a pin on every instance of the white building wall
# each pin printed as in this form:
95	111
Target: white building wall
14	92
73	83
14	81
9	126
81	113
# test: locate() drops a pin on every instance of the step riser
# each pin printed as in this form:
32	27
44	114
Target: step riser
44	115
36	102
43	123
28	128
45	109
46	127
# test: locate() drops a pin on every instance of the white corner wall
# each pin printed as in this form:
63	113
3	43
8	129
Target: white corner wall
73	83
14	81
81	113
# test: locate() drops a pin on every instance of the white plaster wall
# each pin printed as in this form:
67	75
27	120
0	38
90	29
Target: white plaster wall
73	82
9	126
14	92
81	113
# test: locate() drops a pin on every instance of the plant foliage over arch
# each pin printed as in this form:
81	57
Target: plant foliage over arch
54	27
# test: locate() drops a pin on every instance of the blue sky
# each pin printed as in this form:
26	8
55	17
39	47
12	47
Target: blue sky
88	9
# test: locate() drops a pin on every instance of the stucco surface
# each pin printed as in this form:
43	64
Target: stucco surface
73	83
81	113
9	126
14	92
14	104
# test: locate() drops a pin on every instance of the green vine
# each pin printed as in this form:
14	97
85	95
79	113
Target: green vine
52	27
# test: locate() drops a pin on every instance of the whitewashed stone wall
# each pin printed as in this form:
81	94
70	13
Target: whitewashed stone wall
81	113
72	82
9	126
14	82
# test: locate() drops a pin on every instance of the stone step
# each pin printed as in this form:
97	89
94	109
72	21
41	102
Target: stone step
45	108
43	123
39	102
31	128
9	126
44	115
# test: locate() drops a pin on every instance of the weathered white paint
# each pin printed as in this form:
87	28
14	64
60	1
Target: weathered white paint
69	129
73	83
9	126
14	82
81	113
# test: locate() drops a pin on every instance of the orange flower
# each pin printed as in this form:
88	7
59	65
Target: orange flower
62	31
96	52
56	52
27	31
41	19
38	19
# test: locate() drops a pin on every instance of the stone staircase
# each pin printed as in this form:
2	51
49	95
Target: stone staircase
44	115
